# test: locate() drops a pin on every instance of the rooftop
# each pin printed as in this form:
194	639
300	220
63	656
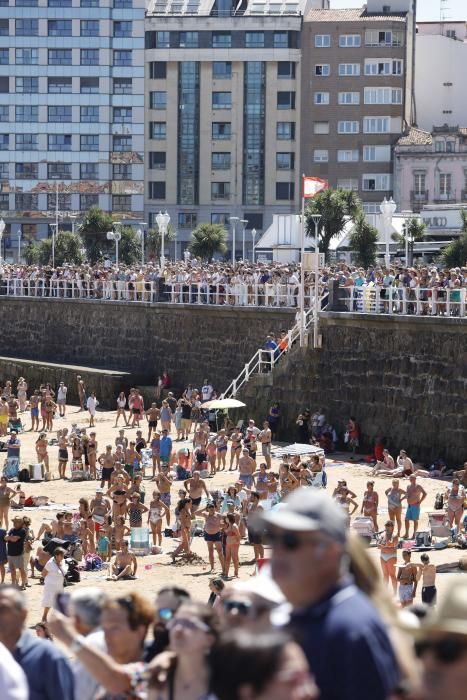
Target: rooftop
236	8
353	15
415	137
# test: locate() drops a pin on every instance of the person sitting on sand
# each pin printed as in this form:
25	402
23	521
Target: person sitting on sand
124	565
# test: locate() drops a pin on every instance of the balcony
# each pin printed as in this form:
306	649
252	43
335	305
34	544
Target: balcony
418	199
464	196
445	197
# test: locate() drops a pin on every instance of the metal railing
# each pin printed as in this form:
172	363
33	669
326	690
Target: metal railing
404	301
104	290
240	294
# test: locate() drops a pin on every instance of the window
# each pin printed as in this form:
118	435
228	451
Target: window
321	98
221	130
383	66
89	142
320	155
348	127
122	143
419	184
88	171
122	57
382	96
350	41
26	202
220	161
59	142
321	127
220	190
87	201
187	219
59	3
59	113
376	125
157	130
281	40
60	171
123	86
156	190
4	142
122	115
4	57
450	146
25	3
157	160
285	131
64	201
377	154
347	156
445	181
221	70
220	218
27	85
4	170
254	40
285	190
286	69
162	40
349	69
59	85
89	3
286	100
378	182
440	146
188	40
27	27
322	41
27	113
348	183
27	57
123	4
5	203
60	27
121	171
4	27
89	114
26	142
221	100
375	37
89	27
122	29
348	98
158	70
322	69
89	85
221	40
4	113
4	84
60	57
158	99
285	161
89	57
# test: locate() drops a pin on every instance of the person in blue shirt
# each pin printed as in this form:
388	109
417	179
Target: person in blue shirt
48	673
166	447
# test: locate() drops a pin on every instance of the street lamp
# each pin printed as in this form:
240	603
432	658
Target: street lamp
19	234
244	222
316	220
162	220
387	209
73	218
2	228
115	236
233	220
140	236
253	235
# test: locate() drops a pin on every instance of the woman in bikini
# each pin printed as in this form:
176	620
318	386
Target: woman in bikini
77	454
50	408
121	405
260	480
370	504
62	452
157	511
221	447
6	494
236	448
41	450
232	544
135	510
92	455
184	520
388	544
395	496
119	494
84	510
211	454
22	393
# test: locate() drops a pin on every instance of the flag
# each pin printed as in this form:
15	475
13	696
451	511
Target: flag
313	185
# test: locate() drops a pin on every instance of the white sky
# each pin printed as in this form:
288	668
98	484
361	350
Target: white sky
427	10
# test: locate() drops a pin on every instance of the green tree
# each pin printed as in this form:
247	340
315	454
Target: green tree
455	253
129	246
93	230
363	240
68	249
336	207
154	241
414	231
207	240
31	253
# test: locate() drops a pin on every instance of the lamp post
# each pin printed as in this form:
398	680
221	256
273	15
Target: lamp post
387	209
233	220
253	235
73	218
140	236
162	220
115	236
316	220
2	228
244	222
19	234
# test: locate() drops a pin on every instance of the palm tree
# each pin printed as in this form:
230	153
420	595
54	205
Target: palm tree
414	231
207	240
455	254
154	241
336	207
93	230
363	240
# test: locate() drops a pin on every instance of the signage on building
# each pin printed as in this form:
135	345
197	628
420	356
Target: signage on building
441	218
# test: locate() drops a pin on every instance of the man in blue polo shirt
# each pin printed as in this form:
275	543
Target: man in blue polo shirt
339	629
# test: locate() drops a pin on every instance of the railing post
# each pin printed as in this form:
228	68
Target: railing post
247	371
434	301
448	301
404	300
462	302
417	297
234	387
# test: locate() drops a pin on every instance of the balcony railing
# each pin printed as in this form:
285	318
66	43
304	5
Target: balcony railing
441	197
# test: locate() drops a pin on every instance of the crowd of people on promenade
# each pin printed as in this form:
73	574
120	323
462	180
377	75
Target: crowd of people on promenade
319	600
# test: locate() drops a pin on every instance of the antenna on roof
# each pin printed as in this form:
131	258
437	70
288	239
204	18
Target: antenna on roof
443	10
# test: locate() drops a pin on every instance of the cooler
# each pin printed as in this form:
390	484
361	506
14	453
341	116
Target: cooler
139	541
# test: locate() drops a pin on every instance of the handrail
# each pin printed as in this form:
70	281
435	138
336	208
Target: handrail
416	301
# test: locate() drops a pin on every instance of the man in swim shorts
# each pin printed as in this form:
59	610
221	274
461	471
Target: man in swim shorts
407	577
415	497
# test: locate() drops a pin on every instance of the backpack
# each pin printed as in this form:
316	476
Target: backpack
93	562
24	475
439	501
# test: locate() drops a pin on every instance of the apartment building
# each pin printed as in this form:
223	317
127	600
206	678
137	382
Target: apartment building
357	67
72	112
223	105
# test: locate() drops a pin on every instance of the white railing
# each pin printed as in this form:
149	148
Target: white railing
404	301
239	294
105	290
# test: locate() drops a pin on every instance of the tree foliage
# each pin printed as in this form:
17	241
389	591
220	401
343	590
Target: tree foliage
68	249
455	253
154	241
207	240
336	207
129	246
363	240
93	230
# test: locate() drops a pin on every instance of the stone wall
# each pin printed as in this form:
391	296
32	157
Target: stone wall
403	378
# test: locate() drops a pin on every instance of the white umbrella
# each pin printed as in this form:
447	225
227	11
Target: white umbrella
223	403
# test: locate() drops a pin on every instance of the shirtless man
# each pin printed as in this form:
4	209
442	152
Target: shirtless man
124	565
152	415
247	467
416	494
34	406
427	572
107	462
404	464
164	485
407	577
386	466
212	533
119	472
81	392
195	487
265	438
100	508
200	438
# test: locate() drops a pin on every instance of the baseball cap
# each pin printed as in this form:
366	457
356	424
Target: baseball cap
307	510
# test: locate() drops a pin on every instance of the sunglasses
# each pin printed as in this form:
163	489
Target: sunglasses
290	541
187	624
165	614
446	651
240	607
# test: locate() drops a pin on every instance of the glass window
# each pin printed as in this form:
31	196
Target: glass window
221	100
89	85
220	160
123	29
60	27
123	86
286	100
221	40
221	70
27	85
320	155
89	3
121	143
59	84
89	113
281	40
322	41
188	40
376	125
158	70
348	183
162	40
89	142
347	155
220	190
122	57
88	171
26	202
285	131
350	40
322	69
4	142
221	131
378	182
254	40
25	57
188	219
349	98
59	113
89	27
376	37
349	69
4	57
4	84
419	184
377	154
59	3
348	127
123	4
157	160
27	113
59	170
26	142
321	98
157	130
122	115
4	169
220	218
383	66
156	190
285	190
87	201
321	127
64	201
121	171
89	57
59	142
382	96
4	113
25	3
27	27
59	57
286	69
121	202
285	161
4	27
158	99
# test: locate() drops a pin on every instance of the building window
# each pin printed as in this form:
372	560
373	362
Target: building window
286	100
285	131
59	85
89	142
89	85
59	3
221	70
59	142
188	40
158	99
321	127
188	103
60	171
322	41
375	37
450	146
4	84
64	201
221	40
383	96
59	57
88	171
286	69
445	182
157	160
221	100
26	202
4	142
383	66
285	191
156	190
27	27
220	218
4	27
60	27
254	129
440	146
4	171
162	40
220	190
27	113
349	69
87	201
419	184
89	114
123	86
4	113
89	27
350	41
321	98
377	182
123	29
27	57
59	113
255	220
121	171
376	125
23	3
4	57
27	85
122	144
5	203
377	154
158	70
348	127
89	57
187	219
220	161
320	155
89	3
347	155
348	98
157	130
285	161
122	115
348	183
121	202
26	142
322	69
281	40
254	40
221	131
26	171
122	57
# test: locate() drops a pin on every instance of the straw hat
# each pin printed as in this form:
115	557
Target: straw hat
450	615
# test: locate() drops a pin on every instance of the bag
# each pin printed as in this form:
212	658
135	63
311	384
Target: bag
439	501
93	562
24	475
168	532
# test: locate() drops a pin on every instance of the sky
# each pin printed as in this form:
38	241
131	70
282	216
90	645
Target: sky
427	10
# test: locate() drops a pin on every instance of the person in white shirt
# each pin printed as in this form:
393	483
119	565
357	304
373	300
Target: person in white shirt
61	399
85	610
206	391
13	684
92	404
